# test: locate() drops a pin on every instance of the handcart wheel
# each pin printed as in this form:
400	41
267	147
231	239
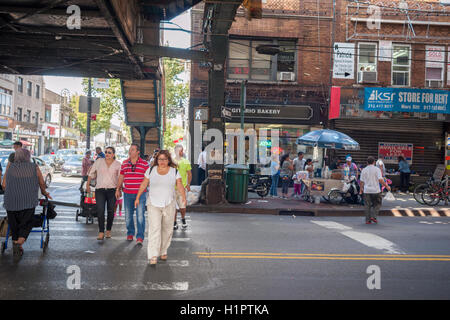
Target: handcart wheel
87	220
76	215
3	247
91	219
47	238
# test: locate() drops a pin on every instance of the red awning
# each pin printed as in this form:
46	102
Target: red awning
26	143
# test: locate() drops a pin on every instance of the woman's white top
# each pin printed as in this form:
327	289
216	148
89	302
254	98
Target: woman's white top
161	187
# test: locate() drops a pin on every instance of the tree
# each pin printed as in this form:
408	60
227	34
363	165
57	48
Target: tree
175	89
110	104
172	133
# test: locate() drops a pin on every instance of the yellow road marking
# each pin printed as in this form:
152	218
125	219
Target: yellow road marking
319	258
323	254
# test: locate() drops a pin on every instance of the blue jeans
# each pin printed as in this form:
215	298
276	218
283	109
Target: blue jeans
128	203
274	186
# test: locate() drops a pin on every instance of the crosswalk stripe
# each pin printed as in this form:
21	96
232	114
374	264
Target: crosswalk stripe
62	285
80	237
97	262
366	238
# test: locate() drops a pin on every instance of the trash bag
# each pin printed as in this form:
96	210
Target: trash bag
389	197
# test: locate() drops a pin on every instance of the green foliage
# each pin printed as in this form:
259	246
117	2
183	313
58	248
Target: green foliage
175	89
170	134
110	104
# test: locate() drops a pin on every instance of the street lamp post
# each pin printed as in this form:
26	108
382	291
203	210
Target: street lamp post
65	93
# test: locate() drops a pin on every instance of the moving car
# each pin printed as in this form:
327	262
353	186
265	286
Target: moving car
72	166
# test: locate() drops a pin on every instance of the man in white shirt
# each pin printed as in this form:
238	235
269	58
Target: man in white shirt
371	179
201	166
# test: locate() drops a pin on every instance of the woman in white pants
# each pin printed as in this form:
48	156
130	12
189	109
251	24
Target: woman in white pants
162	179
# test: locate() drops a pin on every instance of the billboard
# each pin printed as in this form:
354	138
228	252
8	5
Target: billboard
406	100
388	152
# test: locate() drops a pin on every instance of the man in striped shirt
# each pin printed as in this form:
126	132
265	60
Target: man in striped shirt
131	176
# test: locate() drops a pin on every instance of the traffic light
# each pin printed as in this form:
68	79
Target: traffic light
254	9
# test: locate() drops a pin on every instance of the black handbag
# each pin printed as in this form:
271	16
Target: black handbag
51	213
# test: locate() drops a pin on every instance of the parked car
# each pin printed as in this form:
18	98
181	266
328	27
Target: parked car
72	166
47	171
50	160
67	152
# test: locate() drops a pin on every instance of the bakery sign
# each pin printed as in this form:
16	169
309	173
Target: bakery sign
278	112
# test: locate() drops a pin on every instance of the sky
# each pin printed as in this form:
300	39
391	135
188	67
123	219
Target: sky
177	39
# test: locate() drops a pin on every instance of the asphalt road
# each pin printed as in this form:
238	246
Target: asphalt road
237	256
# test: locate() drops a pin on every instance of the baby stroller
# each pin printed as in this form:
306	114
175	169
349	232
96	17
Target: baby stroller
88	207
40	221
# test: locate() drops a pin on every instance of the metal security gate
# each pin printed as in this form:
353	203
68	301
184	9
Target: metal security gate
426	136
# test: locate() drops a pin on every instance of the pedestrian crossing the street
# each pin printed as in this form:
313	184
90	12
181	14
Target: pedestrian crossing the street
119	265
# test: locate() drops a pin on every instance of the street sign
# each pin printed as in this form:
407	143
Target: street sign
201	114
83	105
227	113
100	83
344	60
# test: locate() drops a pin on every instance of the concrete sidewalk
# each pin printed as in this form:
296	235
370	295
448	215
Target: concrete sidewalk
404	205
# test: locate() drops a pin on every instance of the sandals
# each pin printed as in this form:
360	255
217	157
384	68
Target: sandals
101	237
108	234
153	261
17	250
163	257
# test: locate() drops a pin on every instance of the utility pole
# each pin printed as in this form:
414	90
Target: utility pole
241	155
89	114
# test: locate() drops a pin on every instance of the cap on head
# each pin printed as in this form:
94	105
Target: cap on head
348	159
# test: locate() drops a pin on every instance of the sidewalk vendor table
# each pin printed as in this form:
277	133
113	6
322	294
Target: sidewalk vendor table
321	187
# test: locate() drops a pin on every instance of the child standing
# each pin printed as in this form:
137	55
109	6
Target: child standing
118	204
297	185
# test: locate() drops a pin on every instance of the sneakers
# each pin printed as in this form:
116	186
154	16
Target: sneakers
120	213
184	224
140	241
129	238
175	226
374	220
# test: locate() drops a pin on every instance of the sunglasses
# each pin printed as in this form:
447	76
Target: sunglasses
109	152
133	166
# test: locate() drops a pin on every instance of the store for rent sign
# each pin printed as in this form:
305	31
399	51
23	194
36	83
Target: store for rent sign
406	100
389	152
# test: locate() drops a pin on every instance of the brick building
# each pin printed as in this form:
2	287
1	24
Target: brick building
297	82
287	91
404	56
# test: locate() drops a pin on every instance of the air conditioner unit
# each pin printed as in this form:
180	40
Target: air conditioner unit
287	76
434	83
367	77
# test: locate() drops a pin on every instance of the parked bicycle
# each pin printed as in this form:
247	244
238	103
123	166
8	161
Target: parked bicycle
419	189
436	193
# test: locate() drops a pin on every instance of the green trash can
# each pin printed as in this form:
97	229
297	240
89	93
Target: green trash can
237	183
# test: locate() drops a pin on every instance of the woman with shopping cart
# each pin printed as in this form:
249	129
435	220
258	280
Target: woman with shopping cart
21	183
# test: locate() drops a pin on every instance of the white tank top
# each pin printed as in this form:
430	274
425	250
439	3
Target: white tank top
161	187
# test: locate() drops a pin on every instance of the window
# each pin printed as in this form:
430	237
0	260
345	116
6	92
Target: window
5	101
20	84
401	65
245	62
29	88
48	115
66	121
367	60
19	114
28	115
38	91
434	66
36	116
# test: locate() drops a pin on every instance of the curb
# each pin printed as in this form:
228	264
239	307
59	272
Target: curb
312	212
322	212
